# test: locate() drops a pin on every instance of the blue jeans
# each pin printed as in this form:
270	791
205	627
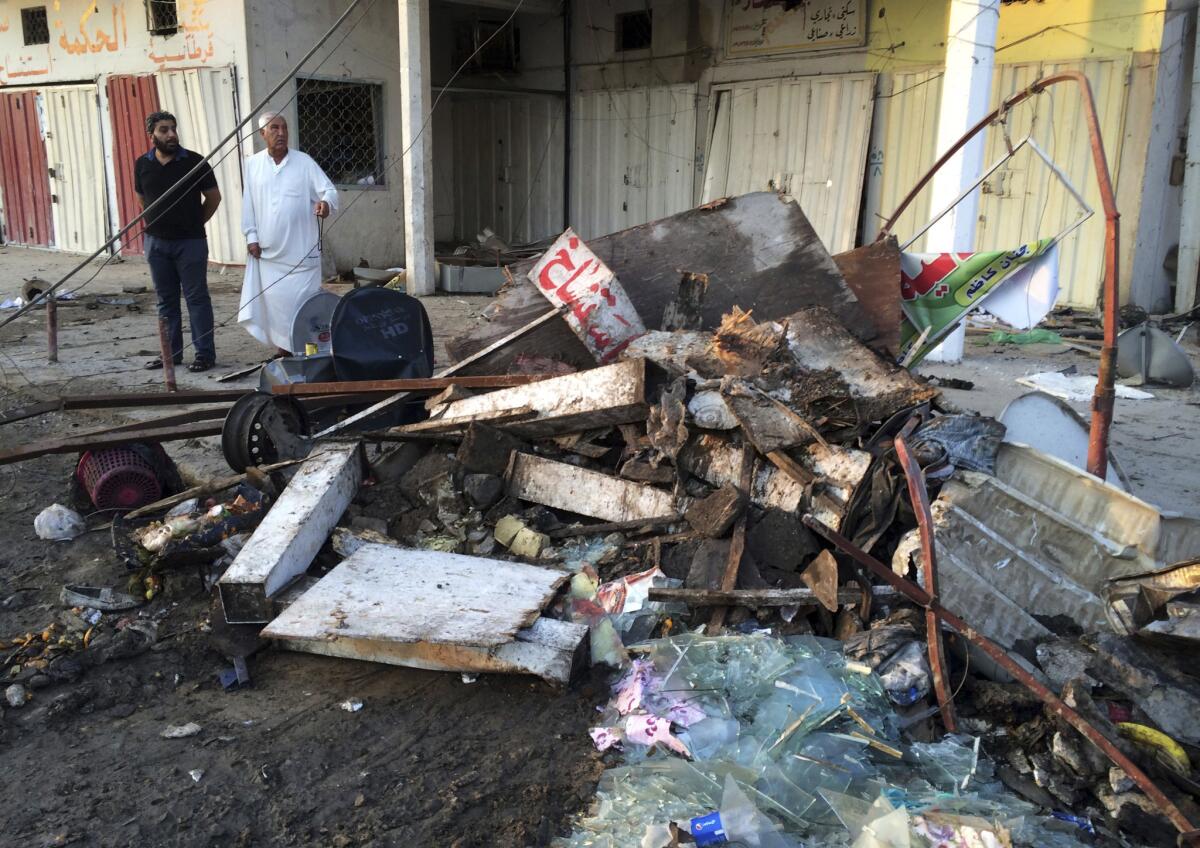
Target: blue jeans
182	265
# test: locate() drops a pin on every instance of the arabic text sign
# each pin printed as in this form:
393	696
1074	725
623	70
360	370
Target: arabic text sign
754	27
601	314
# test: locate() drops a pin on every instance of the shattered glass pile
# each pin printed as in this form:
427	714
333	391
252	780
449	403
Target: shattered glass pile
807	736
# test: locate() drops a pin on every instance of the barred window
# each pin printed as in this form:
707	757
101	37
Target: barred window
341	127
34	26
162	17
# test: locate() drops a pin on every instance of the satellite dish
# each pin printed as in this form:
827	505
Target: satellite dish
1044	422
381	334
312	323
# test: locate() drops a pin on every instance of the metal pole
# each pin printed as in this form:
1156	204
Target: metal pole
52	330
566	16
1103	399
1056	704
168	355
933	629
170	192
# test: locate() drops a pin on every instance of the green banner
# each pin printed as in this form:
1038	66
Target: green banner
937	289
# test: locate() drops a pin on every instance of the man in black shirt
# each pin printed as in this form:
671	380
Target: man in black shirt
176	246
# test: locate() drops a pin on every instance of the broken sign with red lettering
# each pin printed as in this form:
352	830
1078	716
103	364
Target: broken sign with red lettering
600	312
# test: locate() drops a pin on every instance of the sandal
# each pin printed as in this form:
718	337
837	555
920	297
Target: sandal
155	364
199	365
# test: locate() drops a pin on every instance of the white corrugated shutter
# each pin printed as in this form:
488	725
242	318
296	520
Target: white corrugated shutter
202	100
507	166
633	156
805	136
76	157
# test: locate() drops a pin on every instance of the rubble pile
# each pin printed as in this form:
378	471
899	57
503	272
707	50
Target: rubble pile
833	606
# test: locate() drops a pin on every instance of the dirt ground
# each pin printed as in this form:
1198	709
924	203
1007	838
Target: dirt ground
428	760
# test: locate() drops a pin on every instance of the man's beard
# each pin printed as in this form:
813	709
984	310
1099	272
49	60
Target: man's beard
165	146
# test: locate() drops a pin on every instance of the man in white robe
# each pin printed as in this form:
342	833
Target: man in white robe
286	193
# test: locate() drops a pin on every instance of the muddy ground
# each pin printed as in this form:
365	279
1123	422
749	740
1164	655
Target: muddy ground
429	760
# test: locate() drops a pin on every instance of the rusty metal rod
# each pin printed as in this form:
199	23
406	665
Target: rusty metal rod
168	356
415	384
933	629
51	330
1057	706
1103	398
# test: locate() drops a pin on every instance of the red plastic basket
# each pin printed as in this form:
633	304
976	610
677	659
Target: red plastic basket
118	478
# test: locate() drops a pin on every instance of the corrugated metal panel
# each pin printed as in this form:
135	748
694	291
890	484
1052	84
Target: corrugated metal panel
908	118
1023	200
202	100
508	166
633	156
77	159
805	136
23	177
130	100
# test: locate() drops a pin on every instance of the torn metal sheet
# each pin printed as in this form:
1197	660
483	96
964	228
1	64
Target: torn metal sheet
1135	601
879	388
1034	547
759	252
873	274
434	610
1049	424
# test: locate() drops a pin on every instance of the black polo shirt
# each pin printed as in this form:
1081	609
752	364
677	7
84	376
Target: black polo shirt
181	215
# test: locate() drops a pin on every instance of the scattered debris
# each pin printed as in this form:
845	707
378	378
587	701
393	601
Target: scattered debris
1076	387
57	523
181	731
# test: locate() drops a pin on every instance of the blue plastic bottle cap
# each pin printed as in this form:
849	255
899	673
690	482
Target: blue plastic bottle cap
708	830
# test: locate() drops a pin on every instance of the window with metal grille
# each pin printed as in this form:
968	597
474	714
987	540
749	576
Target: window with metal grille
34	26
341	127
162	17
633	31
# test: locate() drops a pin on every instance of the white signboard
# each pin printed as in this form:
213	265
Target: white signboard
755	27
600	313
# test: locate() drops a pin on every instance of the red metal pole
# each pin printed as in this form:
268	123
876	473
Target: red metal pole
168	358
1102	400
933	629
919	596
51	329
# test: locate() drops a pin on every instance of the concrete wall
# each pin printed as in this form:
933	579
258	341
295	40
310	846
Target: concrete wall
89	38
370	225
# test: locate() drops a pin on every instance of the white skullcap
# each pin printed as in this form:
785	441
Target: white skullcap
266	118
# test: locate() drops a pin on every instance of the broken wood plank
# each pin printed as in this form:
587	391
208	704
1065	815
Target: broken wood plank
416	384
434	610
441	425
754	598
294	529
111	438
568	487
714	515
766	422
611	527
451	393
217	484
737	546
685	312
550	649
613	394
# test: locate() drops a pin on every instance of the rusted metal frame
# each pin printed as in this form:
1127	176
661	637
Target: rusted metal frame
1056	705
1105	394
52	330
737	545
493	381
933	629
168	357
